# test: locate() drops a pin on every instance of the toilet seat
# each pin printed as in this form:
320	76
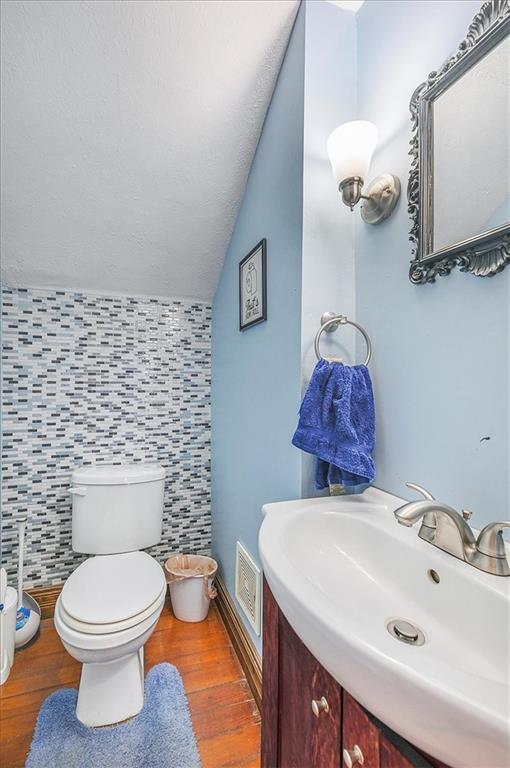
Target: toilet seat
109	593
89	641
118	626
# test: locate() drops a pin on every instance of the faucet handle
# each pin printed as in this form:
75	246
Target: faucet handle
426	494
467	514
490	540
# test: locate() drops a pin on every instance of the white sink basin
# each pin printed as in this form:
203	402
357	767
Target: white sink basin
341	567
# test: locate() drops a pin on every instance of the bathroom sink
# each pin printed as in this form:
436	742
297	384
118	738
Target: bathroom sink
342	568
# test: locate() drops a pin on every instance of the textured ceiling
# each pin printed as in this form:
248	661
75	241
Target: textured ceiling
128	133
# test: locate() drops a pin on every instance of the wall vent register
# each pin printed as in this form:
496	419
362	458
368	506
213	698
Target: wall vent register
248	586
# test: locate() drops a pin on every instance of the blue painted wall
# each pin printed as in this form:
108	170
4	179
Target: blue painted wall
442	351
256	373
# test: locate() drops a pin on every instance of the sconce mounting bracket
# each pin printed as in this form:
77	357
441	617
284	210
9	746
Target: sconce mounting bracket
380	198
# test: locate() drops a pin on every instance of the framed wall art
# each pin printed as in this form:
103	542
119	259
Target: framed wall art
252	287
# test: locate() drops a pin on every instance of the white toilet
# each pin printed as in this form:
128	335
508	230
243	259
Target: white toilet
110	604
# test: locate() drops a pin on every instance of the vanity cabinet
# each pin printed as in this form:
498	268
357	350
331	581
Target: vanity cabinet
309	721
306	738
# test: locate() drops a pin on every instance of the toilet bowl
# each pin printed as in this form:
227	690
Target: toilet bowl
105	614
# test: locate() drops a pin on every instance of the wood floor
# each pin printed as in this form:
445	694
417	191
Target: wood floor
225	717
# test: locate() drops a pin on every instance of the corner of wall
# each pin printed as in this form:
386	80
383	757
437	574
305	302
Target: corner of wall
256	373
328	227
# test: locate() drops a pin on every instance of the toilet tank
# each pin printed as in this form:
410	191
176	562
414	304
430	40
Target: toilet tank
117	508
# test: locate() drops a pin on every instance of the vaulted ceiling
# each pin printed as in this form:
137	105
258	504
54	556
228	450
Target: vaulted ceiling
128	133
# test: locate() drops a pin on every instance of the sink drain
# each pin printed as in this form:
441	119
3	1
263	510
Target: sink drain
406	632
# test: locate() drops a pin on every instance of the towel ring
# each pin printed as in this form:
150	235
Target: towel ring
330	322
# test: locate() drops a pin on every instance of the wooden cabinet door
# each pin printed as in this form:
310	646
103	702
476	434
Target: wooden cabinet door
359	731
306	741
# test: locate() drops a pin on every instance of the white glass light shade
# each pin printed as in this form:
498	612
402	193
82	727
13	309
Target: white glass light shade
350	149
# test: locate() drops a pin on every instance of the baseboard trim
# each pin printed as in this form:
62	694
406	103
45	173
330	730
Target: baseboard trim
47	598
246	652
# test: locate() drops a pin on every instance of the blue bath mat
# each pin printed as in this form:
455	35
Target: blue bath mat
161	736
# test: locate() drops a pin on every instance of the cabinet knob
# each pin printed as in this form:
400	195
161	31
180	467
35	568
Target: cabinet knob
353	757
319	706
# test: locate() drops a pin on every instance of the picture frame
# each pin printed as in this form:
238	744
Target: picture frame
253	287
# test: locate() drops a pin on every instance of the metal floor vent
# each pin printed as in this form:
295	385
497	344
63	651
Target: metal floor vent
248	586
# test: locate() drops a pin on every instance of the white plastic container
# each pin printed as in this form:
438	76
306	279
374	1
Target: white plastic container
190	581
7	633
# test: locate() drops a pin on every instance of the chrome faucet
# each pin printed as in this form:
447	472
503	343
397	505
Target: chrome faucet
448	530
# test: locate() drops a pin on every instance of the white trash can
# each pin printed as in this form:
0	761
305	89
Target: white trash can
190	581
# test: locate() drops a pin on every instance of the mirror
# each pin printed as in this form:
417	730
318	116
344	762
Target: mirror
459	186
477	105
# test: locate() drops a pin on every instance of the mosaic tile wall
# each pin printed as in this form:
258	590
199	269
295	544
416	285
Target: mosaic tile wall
89	379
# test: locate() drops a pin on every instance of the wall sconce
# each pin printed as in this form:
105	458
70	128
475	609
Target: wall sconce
350	150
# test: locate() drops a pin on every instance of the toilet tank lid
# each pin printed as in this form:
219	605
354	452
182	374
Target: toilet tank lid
118	474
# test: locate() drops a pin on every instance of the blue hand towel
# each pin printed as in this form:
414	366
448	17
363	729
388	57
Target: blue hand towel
337	424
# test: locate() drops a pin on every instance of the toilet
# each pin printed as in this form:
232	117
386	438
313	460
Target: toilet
109	605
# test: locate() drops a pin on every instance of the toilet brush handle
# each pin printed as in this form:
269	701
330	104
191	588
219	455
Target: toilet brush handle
22	524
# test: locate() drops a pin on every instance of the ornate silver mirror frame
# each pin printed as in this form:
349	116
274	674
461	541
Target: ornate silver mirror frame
482	255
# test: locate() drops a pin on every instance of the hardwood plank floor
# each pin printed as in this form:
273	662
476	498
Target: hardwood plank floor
224	714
